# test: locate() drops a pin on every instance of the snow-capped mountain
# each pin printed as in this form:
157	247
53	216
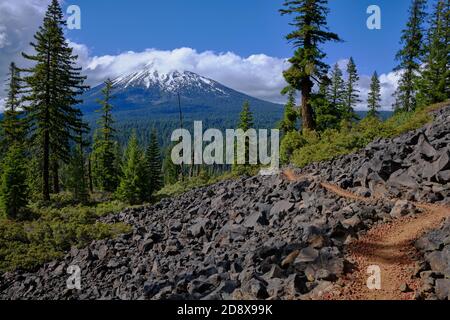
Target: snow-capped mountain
149	97
172	82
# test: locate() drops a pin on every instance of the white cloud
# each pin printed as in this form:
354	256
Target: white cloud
18	23
258	75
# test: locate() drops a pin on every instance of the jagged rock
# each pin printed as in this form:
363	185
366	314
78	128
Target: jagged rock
401	208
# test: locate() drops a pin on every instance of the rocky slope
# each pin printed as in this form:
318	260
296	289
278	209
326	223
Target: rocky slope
262	237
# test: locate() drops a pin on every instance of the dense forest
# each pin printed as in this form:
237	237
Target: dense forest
52	158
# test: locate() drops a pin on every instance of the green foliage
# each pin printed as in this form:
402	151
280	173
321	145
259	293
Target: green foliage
434	85
13	188
409	57
13	127
291	116
53	83
245	123
171	171
351	92
351	136
291	141
103	158
28	244
133	187
77	180
328	102
307	63
374	97
153	162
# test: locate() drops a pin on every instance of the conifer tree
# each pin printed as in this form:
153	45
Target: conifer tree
78	183
104	168
374	97
409	58
307	65
133	185
170	170
336	90
434	86
53	84
12	123
351	92
153	162
13	188
290	117
327	114
245	117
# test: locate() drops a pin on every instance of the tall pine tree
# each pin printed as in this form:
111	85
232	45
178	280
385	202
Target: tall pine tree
336	90
154	165
374	97
13	184
351	92
435	83
307	65
12	123
409	57
104	170
53	85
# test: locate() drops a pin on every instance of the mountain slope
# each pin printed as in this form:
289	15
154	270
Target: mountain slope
151	93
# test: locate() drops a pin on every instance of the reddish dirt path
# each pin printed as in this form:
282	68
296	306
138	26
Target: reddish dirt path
389	246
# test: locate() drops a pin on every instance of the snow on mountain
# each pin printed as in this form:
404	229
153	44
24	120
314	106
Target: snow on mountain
168	82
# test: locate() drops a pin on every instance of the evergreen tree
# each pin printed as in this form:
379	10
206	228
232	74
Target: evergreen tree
351	92
246	123
12	122
13	188
434	86
245	117
53	84
336	90
409	57
289	121
171	171
133	185
327	113
153	161
307	63
104	168
374	97
77	179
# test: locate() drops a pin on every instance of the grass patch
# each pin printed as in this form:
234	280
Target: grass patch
28	244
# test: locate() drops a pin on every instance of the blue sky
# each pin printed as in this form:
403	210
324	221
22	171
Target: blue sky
244	27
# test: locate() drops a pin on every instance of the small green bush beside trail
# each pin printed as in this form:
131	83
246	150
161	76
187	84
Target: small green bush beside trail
28	244
304	148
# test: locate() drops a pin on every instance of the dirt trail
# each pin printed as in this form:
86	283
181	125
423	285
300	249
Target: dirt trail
389	246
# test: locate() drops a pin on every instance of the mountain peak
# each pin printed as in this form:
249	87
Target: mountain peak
172	81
